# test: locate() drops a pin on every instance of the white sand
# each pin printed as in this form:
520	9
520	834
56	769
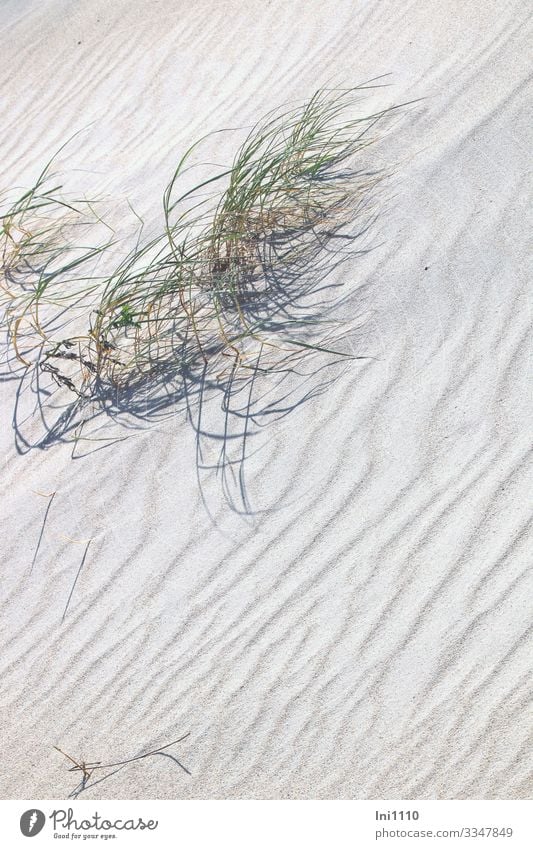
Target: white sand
364	632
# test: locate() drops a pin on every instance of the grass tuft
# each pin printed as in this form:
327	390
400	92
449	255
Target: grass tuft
230	278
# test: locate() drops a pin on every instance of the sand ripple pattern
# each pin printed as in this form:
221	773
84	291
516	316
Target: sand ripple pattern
364	630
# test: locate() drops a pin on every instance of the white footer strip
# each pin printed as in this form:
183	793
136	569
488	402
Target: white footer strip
251	824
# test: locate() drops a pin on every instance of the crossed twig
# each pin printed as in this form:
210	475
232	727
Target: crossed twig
87	768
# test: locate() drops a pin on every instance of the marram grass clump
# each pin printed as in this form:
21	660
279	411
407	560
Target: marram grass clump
229	276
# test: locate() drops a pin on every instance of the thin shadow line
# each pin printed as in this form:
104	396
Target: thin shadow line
76	579
39	541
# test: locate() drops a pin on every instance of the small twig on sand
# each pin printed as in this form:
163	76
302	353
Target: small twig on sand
87	768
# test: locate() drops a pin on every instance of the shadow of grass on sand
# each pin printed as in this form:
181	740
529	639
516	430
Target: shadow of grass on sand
235	316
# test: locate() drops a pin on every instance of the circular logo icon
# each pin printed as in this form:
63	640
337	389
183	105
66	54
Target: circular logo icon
32	822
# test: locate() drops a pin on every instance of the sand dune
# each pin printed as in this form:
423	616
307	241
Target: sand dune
351	616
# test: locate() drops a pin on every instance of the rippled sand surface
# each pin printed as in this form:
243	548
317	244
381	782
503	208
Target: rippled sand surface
342	610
